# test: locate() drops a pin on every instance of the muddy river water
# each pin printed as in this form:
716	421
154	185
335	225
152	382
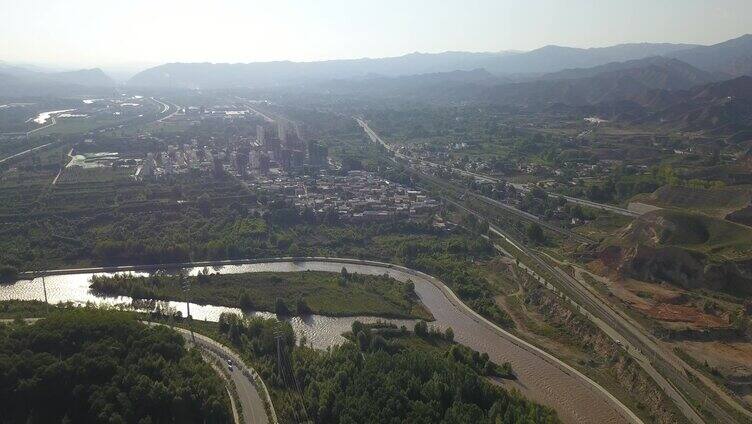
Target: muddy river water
540	377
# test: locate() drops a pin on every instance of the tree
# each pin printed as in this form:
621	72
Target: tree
246	303
302	307
357	327
449	334
740	321
535	233
280	308
421	328
8	274
363	341
204	205
378	343
203	276
121	354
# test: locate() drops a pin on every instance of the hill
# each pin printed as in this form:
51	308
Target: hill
689	250
721	108
718	202
17	81
554	58
655	72
266	74
610	83
84	77
269	74
732	57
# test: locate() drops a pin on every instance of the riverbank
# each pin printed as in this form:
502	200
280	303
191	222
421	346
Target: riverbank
283	293
541	377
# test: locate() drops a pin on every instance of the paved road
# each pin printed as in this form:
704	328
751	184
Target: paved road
266	117
166	107
493	202
541	375
242	376
488	178
639	342
595	205
54	121
26	151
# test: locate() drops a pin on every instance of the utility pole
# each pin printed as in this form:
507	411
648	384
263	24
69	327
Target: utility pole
185	285
44	289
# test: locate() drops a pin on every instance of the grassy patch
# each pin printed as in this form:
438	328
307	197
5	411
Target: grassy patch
321	292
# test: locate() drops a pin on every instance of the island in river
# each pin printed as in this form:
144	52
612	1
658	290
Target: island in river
309	292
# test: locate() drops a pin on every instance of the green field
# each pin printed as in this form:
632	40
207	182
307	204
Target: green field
717	238
321	292
716	201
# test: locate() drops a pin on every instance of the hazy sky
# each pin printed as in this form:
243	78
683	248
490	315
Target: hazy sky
107	33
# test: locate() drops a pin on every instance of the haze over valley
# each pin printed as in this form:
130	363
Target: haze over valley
246	213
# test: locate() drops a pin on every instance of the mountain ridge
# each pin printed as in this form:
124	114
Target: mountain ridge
265	74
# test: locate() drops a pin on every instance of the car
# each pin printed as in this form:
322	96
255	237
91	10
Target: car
229	367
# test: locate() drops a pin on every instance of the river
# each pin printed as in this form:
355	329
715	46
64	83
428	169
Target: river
42	118
540	378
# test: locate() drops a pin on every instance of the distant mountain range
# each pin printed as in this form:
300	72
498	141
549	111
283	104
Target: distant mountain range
730	59
733	57
21	81
683	86
267	74
653	72
605	83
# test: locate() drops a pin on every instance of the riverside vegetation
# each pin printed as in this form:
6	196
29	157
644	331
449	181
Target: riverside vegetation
286	293
85	365
381	374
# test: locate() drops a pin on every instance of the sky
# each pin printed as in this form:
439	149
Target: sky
139	33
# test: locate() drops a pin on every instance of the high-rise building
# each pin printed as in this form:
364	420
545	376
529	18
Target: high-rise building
273	146
260	134
285	159
263	160
317	154
147	170
281	132
298	159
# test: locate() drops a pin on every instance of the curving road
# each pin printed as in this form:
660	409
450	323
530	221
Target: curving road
244	377
541	377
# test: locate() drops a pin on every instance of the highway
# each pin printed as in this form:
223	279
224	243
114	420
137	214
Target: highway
166	107
493	202
266	117
26	151
639	342
482	177
594	205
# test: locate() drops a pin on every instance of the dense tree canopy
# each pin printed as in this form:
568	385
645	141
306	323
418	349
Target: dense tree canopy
384	375
87	366
347	386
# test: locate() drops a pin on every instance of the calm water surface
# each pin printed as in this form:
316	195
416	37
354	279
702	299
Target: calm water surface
575	400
